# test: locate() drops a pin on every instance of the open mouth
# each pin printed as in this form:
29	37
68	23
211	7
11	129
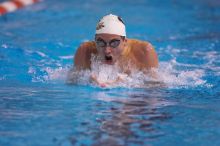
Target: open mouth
108	59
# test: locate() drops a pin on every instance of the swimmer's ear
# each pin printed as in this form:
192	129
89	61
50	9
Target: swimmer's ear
125	42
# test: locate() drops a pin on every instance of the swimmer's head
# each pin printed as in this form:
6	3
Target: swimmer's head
110	38
110	47
111	24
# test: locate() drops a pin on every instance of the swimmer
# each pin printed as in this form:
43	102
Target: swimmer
112	47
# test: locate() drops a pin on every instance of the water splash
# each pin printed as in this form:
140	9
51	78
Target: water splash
176	78
167	75
171	73
49	74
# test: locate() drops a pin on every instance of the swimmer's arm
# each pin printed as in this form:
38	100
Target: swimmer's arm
151	59
147	57
117	80
94	79
80	59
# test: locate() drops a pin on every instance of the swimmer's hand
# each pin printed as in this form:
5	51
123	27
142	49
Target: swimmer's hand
93	78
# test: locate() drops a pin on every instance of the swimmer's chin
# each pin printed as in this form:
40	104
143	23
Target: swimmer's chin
109	62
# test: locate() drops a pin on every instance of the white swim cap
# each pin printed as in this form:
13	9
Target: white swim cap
111	24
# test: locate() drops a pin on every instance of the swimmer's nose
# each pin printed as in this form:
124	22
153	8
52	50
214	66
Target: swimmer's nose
108	50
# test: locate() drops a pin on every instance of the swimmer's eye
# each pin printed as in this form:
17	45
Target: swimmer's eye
114	43
101	43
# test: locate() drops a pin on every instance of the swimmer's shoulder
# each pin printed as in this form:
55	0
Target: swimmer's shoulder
143	52
88	47
82	59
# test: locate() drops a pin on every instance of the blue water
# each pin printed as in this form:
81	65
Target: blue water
38	107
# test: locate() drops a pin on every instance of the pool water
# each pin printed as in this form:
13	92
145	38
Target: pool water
39	108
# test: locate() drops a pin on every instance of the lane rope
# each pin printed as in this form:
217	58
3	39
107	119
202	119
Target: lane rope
13	5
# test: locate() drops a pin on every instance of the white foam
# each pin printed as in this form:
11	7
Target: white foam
167	74
184	78
31	70
211	59
78	77
49	74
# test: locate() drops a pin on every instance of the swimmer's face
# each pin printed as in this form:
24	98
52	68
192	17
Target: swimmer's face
110	47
